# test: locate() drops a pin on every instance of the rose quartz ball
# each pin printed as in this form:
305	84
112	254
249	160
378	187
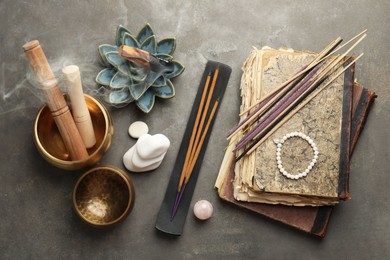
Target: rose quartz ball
203	209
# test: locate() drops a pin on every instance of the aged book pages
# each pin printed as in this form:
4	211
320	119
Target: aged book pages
313	220
257	177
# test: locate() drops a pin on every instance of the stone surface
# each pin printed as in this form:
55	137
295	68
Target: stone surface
37	220
138	128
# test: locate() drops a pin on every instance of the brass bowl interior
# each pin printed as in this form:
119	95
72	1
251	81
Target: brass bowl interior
50	137
52	148
103	196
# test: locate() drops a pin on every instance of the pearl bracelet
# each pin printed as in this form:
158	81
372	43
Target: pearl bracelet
279	144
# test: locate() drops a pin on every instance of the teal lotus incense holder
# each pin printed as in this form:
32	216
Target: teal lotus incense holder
138	69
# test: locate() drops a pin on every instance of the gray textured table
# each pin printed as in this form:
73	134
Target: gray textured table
36	217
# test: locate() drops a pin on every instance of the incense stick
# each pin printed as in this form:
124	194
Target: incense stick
265	128
198	134
205	89
274	113
286	105
288	98
320	57
199	146
189	170
313	63
265	103
198	128
197	138
301	106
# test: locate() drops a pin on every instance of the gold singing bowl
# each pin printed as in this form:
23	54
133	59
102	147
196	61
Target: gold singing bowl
103	196
50	145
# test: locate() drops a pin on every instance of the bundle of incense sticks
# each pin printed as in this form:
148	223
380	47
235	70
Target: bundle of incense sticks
177	199
275	109
201	127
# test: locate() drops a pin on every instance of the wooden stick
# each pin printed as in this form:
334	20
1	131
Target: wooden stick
55	101
285	119
347	42
136	55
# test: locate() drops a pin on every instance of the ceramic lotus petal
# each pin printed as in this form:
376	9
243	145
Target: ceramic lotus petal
120	32
105	76
178	69
166	46
125	81
149	44
119	81
145	33
167	91
129	40
120	97
103	49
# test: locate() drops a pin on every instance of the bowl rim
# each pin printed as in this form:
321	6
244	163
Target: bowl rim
130	188
108	123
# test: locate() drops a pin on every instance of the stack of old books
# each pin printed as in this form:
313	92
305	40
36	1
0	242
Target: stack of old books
301	116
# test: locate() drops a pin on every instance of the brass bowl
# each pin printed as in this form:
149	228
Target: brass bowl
103	196
50	145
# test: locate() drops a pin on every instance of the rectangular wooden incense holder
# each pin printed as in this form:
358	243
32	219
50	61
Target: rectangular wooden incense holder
177	200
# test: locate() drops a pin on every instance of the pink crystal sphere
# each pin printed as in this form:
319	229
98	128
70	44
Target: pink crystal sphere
203	209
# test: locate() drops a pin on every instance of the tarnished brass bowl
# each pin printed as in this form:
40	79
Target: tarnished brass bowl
103	196
50	145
